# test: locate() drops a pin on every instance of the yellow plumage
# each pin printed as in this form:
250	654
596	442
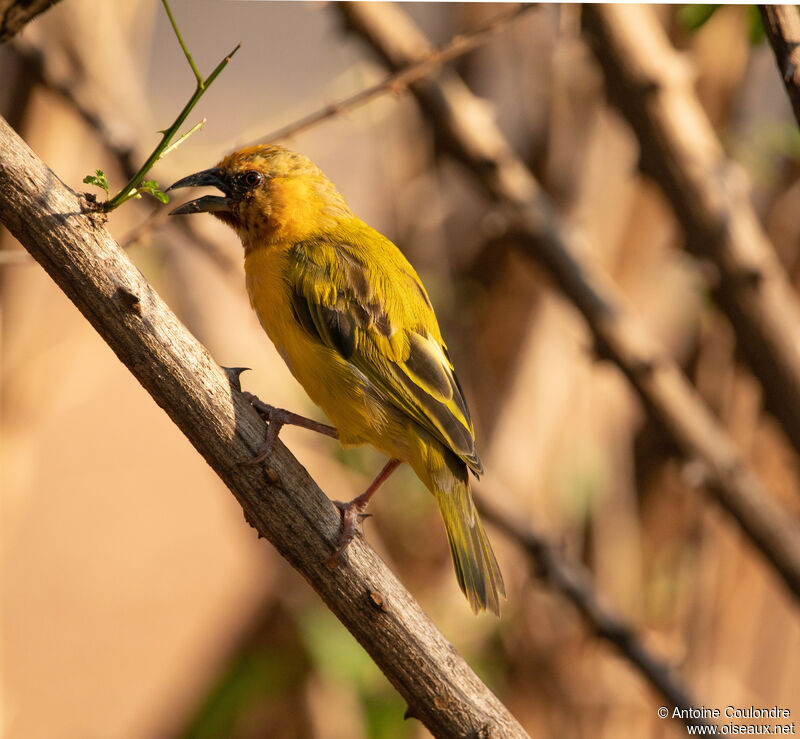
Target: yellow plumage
350	317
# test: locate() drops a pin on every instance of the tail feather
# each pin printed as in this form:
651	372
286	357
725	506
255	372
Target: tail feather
476	567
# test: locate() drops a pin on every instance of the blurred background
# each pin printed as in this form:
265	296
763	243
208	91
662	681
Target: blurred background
136	602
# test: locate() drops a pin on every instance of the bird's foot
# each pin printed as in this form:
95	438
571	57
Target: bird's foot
353	512
276	418
352	515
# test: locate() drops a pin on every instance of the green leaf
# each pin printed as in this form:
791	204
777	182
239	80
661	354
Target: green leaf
692	17
98	179
756	27
151	188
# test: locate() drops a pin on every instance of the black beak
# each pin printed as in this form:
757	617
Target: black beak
208	203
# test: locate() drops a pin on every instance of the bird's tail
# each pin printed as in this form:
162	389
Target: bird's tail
476	567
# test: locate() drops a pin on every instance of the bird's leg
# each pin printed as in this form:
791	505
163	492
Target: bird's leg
353	511
278	417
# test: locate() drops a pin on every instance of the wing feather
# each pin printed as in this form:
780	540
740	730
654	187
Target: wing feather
378	317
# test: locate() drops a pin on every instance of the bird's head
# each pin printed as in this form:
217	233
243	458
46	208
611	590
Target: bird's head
270	195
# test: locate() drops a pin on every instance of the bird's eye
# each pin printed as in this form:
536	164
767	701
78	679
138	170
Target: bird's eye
252	178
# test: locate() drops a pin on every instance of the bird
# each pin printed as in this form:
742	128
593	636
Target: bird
352	320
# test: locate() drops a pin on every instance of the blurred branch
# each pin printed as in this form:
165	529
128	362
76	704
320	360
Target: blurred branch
782	25
572	580
64	84
652	86
280	500
16	14
397	82
228	266
464	125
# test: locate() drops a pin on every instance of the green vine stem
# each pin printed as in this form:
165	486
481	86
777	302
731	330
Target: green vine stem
131	189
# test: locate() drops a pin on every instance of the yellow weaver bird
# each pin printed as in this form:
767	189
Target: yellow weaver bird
353	322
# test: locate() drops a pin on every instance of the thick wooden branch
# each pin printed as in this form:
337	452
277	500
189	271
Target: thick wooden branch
16	14
465	126
653	88
281	501
782	24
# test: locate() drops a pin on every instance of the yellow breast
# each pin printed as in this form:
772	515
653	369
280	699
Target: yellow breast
332	383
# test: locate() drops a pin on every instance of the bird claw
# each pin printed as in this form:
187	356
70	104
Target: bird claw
261	455
275	419
353	512
352	516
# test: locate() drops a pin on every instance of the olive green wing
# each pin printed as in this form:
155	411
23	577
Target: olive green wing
377	316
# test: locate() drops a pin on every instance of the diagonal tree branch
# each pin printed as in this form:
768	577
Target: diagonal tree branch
281	501
782	24
469	133
16	14
652	87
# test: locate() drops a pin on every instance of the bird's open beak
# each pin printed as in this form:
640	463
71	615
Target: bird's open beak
208	203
